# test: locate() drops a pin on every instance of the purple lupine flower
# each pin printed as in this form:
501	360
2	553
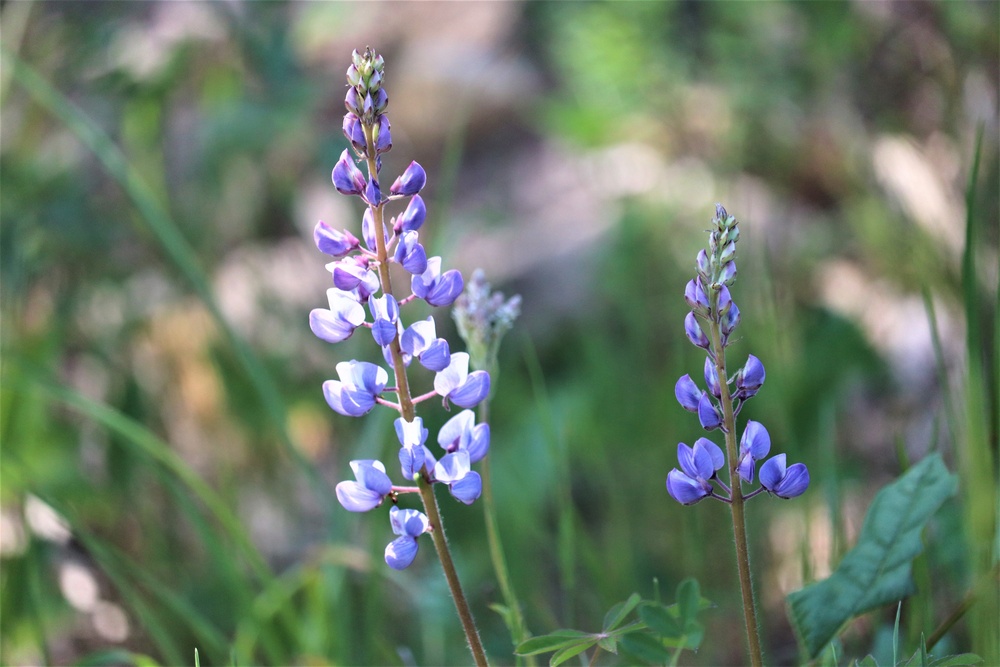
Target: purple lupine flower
694	332
436	288
698	466
385	312
354	393
409	525
413	217
353	106
462	433
750	378
725	300
410	254
339	322
370	489
410	182
349	273
373	194
708	413
381	101
463	482
333	242
383	136
456	384
353	130
727	276
754	446
368	230
704	264
347	178
696	297
781	481
712	378
729	322
412	436
687	392
420	340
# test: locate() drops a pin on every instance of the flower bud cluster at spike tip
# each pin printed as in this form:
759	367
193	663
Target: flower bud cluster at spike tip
357	298
713	318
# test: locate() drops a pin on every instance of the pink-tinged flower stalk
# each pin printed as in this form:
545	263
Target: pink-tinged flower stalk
361	277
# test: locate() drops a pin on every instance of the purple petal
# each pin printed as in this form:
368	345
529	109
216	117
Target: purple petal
708	414
795	483
471	392
479	442
728	274
413	217
730	320
383	141
418	336
411	434
437	356
693	331
687	393
333	242
410	182
373	194
411	460
340	321
370	474
695	296
755	440
452	467
356	498
685	458
725	300
347	178
408	522
715	452
455	432
753	374
348	274
449	379
683	489
401	552
352	126
772	472
468	488
712	378
746	467
445	289
410	254
381	101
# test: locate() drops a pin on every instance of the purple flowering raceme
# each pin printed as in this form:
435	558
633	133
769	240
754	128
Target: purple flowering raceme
713	318
361	278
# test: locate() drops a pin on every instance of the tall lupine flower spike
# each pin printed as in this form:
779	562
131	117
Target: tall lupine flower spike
361	277
713	318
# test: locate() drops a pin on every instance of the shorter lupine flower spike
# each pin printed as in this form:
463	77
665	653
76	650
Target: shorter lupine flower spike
456	384
410	182
483	317
708	414
370	489
360	383
754	446
694	332
409	525
339	322
436	288
462	433
698	466
781	481
687	393
333	242
347	178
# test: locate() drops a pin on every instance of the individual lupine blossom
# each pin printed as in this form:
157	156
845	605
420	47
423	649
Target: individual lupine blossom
361	385
713	318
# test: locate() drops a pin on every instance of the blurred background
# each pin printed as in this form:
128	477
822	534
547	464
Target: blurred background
168	460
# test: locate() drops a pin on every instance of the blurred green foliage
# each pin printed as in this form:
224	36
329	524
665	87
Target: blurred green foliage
160	387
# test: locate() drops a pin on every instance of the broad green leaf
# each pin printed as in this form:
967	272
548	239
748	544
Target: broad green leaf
688	600
553	642
617	613
877	570
646	648
565	654
660	620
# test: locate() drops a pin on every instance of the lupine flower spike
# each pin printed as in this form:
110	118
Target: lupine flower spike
361	278
709	326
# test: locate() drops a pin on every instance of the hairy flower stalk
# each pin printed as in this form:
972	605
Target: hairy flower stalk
361	276
482	318
709	325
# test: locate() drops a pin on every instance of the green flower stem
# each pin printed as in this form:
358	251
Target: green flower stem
736	506
408	412
519	632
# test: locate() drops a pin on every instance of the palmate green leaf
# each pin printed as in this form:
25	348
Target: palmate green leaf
688	601
555	641
646	647
617	613
660	620
877	571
